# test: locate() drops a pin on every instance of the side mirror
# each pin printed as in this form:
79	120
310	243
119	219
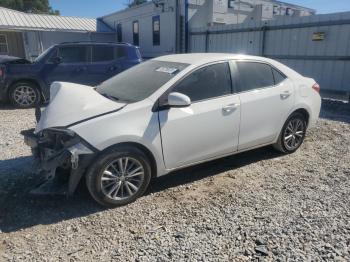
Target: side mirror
56	60
178	100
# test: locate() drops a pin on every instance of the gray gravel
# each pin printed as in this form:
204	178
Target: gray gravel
253	206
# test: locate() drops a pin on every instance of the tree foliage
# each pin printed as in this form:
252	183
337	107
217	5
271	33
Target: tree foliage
137	2
30	6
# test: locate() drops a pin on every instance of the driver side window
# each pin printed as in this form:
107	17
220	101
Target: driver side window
73	54
206	83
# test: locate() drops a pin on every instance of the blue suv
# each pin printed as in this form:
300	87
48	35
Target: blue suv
26	84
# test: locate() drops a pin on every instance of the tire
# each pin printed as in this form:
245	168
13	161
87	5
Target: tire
24	95
292	134
109	185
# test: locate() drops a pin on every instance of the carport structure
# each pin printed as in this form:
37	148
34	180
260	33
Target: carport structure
28	35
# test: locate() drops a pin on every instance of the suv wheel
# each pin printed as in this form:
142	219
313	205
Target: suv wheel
292	134
119	176
24	95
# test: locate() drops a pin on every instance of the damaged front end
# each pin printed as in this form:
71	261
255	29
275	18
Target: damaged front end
61	157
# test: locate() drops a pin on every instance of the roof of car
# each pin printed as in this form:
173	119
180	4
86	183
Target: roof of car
95	43
203	58
198	59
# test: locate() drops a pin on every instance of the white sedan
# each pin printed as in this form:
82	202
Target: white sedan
166	114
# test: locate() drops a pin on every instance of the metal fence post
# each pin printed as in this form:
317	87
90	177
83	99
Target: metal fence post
263	29
207	41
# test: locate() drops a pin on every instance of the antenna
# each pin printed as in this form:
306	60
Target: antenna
159	3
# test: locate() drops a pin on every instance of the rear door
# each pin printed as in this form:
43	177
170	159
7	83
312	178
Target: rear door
73	66
107	61
267	97
209	126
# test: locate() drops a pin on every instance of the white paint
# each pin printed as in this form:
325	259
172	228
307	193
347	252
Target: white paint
70	103
207	132
264	111
179	137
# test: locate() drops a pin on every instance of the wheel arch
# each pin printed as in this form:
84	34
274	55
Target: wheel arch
142	148
299	109
27	80
304	112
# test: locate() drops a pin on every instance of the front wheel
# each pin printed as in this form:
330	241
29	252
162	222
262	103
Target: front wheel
292	134
119	176
24	95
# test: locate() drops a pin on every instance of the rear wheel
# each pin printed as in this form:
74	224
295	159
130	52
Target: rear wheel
24	95
292	134
119	176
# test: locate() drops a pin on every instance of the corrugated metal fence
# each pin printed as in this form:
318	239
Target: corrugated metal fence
316	46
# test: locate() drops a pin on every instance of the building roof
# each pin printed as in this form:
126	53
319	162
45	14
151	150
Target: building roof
11	19
296	6
128	9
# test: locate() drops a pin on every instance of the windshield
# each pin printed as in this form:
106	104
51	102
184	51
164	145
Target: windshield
139	82
42	55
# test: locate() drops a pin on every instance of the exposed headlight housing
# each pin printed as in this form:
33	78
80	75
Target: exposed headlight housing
59	131
58	138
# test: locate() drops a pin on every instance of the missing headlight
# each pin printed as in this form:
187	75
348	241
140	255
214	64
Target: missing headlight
57	138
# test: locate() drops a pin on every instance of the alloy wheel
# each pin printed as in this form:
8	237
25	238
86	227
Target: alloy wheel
24	95
294	134
122	178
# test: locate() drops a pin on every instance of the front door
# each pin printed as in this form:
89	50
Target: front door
73	66
209	127
267	98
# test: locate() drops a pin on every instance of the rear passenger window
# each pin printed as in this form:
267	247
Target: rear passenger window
205	83
73	54
254	75
279	77
102	53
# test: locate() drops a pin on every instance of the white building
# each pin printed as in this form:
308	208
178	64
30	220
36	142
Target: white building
161	26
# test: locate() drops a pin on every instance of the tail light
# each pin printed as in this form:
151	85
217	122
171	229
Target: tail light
2	72
316	87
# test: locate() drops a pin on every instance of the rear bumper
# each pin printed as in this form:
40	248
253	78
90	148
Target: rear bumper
60	170
315	110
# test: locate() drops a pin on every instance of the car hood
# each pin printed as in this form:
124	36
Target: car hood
71	103
4	59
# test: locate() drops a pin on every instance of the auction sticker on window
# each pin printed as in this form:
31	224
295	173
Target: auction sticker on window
168	70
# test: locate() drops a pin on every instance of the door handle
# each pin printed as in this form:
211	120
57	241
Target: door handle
81	69
230	107
285	94
114	68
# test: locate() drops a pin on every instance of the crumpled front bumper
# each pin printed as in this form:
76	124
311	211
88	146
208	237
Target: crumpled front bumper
61	169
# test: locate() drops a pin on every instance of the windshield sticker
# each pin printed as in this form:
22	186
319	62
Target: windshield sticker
168	70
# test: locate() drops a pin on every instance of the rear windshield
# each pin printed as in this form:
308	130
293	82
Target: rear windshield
139	82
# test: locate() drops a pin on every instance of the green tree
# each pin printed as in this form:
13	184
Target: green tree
30	6
137	2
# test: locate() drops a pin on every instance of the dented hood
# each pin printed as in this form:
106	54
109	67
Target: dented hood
4	59
71	103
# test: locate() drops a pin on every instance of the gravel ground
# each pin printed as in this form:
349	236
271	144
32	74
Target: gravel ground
258	205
